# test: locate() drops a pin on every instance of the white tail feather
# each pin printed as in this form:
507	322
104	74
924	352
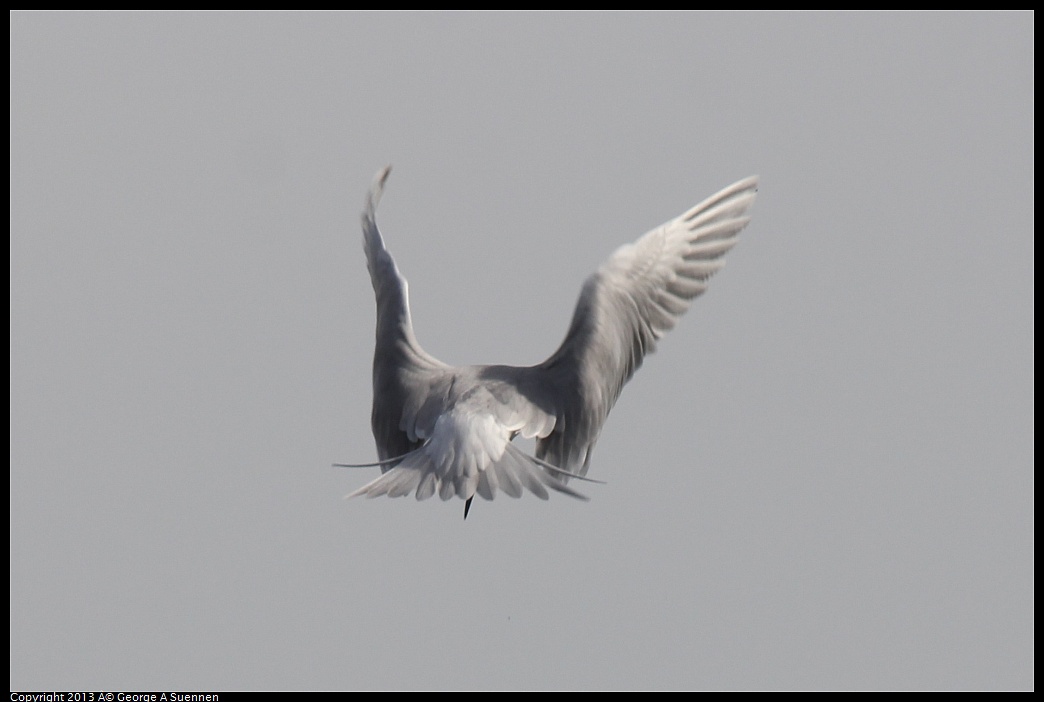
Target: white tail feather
512	474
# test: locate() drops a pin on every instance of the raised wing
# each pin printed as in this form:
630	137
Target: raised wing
403	373
462	417
631	301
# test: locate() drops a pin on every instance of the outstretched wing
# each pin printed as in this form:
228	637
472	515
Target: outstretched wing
431	419
631	301
403	373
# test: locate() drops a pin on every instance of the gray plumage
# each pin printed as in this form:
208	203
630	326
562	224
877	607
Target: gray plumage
447	430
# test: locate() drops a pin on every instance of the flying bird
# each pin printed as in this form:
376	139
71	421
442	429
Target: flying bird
447	430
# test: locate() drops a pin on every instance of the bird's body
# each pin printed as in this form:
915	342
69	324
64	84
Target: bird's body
447	430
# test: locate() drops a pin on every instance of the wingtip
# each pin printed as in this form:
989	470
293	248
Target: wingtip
374	196
749	183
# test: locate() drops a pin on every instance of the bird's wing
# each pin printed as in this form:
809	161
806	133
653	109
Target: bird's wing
447	423
404	375
632	300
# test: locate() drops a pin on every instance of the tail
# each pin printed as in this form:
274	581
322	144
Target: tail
512	474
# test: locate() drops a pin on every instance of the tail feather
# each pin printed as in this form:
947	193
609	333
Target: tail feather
514	473
507	477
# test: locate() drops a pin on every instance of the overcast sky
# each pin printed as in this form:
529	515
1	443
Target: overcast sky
823	479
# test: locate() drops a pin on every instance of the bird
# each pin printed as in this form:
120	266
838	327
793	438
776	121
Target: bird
448	430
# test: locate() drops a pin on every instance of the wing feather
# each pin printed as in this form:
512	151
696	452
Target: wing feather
403	373
625	307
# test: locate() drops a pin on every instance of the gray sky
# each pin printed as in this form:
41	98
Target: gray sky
823	478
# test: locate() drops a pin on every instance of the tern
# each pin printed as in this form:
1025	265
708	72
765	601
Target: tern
448	430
